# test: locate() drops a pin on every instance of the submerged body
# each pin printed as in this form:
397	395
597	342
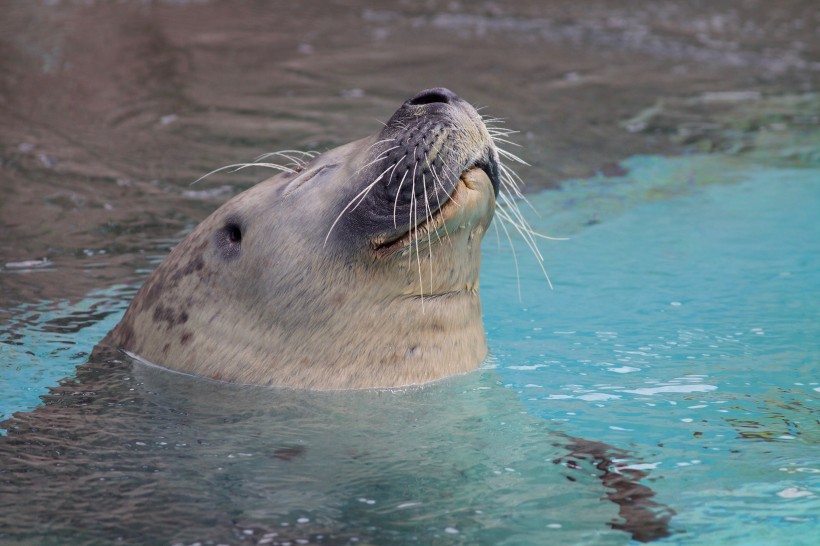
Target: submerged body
360	270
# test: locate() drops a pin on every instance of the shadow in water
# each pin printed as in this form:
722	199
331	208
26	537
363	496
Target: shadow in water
125	451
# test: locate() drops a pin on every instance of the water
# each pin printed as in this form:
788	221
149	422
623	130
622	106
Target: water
682	332
687	329
109	111
677	350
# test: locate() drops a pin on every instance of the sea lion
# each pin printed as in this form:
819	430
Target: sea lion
360	270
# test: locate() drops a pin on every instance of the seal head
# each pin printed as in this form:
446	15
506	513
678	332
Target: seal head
361	270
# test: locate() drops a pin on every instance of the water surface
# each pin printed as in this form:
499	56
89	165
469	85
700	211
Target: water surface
682	333
108	111
686	328
678	348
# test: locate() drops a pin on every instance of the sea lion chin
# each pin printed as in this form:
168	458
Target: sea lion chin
360	270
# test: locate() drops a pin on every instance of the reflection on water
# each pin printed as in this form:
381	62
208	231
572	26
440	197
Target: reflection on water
142	454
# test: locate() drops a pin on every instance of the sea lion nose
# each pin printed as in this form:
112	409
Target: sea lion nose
432	96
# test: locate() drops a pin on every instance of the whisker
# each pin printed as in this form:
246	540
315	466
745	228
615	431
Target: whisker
289	154
429	235
505	141
298	163
239	166
390	178
411	223
513	177
510	184
360	196
437	181
414	211
428	211
515	259
529	241
495	133
511	156
441	185
454	175
518	221
396	202
523	224
379	142
379	158
524	234
493	120
497	235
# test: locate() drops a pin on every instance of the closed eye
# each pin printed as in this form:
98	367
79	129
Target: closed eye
304	178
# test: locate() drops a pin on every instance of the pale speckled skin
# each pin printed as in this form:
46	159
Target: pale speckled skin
292	306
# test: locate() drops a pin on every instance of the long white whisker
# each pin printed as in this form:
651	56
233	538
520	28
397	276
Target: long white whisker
429	235
360	196
515	259
381	157
511	156
455	175
239	166
379	142
511	176
522	222
513	204
414	212
505	141
396	202
437	180
508	179
497	234
525	233
390	178
288	154
438	199
496	133
530	242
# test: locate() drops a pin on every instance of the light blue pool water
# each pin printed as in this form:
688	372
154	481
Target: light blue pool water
684	327
48	340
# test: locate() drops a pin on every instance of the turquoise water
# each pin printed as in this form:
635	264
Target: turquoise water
683	328
47	340
687	328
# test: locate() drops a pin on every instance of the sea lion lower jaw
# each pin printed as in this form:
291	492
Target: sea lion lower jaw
468	205
359	271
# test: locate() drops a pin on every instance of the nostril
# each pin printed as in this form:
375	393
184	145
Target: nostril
432	96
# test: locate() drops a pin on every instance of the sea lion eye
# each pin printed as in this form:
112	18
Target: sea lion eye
305	177
228	240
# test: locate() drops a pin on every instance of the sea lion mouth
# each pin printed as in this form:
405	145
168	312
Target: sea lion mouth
475	185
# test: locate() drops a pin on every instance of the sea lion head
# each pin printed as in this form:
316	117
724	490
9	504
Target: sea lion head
360	270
